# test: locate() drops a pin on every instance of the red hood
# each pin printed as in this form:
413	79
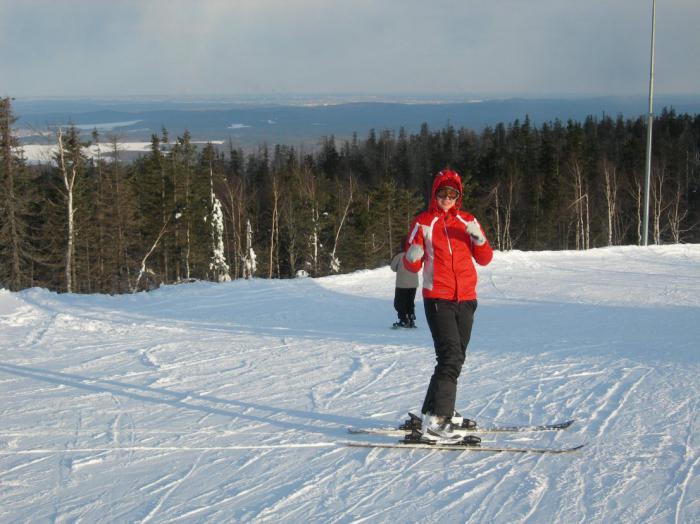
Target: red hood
446	175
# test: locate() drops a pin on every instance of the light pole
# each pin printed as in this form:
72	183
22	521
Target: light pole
650	120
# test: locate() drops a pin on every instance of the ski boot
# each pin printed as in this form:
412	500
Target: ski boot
440	429
461	422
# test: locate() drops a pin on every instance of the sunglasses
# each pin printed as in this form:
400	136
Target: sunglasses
452	194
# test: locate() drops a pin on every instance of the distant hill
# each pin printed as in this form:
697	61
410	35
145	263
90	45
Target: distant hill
292	121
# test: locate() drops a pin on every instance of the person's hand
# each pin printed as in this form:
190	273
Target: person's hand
474	230
414	253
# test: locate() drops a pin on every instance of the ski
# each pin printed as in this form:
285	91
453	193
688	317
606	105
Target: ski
462	447
414	422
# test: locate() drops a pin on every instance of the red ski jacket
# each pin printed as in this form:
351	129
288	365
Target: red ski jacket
448	250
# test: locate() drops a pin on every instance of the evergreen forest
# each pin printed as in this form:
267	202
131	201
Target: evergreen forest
100	224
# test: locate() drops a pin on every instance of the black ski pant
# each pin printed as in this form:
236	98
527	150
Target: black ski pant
451	327
404	302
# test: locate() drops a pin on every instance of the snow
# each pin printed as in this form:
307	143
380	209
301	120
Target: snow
105	127
44	153
230	402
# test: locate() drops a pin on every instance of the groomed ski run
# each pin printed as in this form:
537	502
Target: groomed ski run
194	403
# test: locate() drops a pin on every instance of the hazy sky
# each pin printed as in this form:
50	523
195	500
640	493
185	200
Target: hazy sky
233	47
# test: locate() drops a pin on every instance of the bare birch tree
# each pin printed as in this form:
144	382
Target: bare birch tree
658	201
68	170
677	214
580	206
335	263
635	192
144	269
493	196
610	190
308	185
274	228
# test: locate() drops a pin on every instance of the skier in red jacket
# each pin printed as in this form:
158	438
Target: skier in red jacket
445	242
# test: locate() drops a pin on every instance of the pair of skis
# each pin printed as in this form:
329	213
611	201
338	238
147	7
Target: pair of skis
410	430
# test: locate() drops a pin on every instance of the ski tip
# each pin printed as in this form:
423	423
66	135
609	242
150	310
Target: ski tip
572	449
552	451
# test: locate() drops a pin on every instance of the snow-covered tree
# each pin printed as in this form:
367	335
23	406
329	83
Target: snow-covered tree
217	264
249	259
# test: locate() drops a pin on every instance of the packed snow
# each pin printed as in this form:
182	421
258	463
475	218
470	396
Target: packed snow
230	402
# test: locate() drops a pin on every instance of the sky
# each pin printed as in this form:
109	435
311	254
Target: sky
251	47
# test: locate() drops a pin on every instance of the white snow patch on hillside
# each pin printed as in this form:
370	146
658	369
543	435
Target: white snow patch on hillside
45	153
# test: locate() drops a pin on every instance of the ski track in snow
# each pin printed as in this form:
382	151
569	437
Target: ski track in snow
228	403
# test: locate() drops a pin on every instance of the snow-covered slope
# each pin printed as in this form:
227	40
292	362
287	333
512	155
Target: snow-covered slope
229	402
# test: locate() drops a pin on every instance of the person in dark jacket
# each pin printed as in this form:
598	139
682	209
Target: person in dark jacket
404	293
445	242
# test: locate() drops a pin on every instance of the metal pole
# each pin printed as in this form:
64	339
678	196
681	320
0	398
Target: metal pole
650	121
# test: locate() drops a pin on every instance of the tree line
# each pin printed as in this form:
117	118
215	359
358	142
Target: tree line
97	223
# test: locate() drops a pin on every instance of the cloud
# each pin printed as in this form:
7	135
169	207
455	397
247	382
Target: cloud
79	47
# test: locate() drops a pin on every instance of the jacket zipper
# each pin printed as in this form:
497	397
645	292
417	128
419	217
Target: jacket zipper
452	260
449	244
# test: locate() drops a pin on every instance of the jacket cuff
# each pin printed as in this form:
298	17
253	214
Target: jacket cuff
413	267
483	253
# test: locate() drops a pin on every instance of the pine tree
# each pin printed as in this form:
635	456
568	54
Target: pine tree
189	198
16	197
